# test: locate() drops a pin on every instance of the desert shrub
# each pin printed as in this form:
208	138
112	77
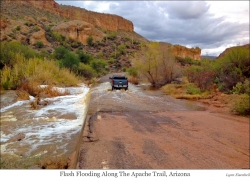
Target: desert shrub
98	65
111	36
83	57
86	71
133	72
242	88
10	49
188	60
39	44
60	52
35	71
90	40
76	44
122	49
36	29
58	37
18	28
191	89
201	76
232	68
29	24
70	60
241	105
111	61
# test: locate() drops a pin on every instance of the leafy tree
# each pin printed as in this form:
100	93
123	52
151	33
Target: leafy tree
156	63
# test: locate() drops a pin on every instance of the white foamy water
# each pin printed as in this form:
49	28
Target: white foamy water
50	126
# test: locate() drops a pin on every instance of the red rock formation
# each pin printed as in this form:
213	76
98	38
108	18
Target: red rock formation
79	31
105	21
48	5
184	52
3	23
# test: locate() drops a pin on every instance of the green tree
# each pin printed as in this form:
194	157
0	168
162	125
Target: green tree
156	63
60	52
70	60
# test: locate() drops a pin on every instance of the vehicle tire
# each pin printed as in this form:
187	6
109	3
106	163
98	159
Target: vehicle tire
126	89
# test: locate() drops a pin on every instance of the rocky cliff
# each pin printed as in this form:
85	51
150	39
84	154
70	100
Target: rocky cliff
79	31
48	5
105	21
184	52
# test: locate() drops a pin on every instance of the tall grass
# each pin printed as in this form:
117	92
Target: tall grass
35	71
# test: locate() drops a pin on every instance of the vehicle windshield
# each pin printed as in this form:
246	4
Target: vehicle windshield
119	77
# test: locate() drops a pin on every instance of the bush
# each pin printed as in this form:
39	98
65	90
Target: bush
242	88
201	76
83	57
9	51
122	49
98	65
70	60
18	28
35	71
60	52
241	105
133	72
86	71
191	89
90	40
39	44
111	61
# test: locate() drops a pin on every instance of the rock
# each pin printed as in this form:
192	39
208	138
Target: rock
79	31
184	52
3	23
106	21
18	137
39	36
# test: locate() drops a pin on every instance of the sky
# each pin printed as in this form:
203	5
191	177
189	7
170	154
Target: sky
211	25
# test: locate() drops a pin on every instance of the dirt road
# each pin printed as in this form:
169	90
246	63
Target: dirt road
140	129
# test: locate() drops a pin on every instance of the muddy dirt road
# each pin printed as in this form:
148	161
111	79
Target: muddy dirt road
140	129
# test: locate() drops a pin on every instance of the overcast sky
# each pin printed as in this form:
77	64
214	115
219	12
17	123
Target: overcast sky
211	25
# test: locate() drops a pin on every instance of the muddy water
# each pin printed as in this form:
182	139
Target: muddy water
51	129
136	98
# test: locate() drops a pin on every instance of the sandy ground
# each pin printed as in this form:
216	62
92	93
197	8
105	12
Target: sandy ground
136	138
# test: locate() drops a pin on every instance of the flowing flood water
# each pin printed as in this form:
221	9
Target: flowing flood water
51	129
135	99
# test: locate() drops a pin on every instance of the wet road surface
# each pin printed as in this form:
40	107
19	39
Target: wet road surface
143	129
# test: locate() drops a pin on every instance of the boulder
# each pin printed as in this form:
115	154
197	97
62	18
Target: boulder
39	36
79	31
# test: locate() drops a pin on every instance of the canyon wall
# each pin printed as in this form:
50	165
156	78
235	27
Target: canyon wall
105	21
184	52
108	22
